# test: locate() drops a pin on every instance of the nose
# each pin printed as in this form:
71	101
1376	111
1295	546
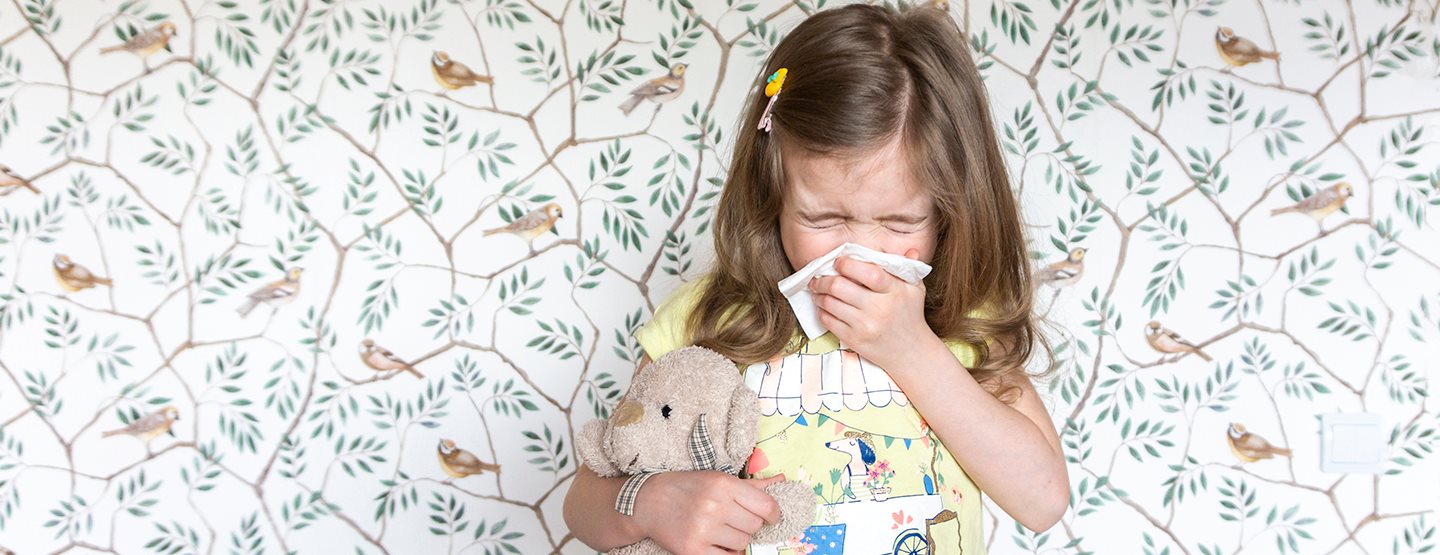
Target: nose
875	244
629	412
872	237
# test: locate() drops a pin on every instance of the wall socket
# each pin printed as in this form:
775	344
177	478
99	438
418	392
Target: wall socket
1352	443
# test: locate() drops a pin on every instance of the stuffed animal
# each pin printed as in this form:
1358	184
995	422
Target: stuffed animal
689	410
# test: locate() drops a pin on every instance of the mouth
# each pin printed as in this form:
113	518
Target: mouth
633	461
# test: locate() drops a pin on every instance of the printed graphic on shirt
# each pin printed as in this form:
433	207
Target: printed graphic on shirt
882	481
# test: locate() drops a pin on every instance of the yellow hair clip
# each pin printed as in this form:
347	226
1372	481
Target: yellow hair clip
773	84
775	81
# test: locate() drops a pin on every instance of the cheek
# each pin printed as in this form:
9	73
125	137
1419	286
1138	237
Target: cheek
926	245
803	244
924	242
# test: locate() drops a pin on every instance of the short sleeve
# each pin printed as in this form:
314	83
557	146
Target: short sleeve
666	330
966	353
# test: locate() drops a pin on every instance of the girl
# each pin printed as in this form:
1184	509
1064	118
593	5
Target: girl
878	134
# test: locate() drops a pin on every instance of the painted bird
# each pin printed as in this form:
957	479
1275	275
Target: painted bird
1167	341
1249	447
148	42
942	5
150	426
532	225
658	90
454	75
1322	203
1237	51
381	359
275	294
1065	272
10	181
74	277
459	463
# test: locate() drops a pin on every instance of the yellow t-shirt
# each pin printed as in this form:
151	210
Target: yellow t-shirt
882	480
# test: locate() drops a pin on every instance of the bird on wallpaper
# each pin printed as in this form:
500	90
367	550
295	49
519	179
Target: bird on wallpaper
10	182
381	359
532	225
1322	203
1065	272
459	463
147	42
150	426
1167	341
1237	51
275	294
942	5
1249	447
658	90
74	277
454	75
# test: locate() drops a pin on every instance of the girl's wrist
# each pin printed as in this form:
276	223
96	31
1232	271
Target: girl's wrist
922	351
648	496
910	352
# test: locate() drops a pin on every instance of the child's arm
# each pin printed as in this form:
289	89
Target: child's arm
590	512
684	512
1011	451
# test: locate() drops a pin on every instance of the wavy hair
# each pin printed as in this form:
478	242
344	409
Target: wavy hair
860	76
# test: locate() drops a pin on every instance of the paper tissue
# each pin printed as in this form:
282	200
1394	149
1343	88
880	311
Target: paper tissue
796	290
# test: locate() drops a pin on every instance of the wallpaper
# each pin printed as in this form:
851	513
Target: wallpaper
345	276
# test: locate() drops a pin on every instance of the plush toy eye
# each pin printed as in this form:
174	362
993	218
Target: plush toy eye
665	411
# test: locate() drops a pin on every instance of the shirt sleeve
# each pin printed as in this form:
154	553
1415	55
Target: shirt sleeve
966	353
667	330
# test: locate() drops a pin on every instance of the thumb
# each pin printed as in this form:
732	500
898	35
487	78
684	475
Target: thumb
912	254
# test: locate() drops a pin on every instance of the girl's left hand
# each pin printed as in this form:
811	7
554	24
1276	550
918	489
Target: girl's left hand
878	315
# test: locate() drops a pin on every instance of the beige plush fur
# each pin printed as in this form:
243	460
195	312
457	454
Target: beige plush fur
638	436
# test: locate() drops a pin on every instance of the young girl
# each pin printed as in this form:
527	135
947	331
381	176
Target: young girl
879	134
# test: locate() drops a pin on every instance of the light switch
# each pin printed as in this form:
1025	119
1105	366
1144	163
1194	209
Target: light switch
1352	443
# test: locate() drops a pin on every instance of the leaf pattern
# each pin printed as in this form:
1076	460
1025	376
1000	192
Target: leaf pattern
499	241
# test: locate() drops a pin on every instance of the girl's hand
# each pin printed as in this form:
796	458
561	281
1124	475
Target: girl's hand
704	511
878	315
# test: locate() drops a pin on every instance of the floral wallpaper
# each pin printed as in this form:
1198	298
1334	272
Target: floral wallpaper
346	276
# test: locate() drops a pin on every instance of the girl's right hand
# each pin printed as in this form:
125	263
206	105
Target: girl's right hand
704	511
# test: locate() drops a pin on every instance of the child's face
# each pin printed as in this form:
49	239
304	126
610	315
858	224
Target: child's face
871	200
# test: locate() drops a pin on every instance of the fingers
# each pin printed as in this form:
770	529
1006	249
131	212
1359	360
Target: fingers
841	288
838	309
745	521
868	275
758	503
730	539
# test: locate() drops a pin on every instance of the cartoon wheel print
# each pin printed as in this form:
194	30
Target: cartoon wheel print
912	543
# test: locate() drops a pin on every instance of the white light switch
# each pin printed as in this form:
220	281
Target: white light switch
1352	443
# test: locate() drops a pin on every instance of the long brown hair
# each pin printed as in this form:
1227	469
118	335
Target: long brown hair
859	76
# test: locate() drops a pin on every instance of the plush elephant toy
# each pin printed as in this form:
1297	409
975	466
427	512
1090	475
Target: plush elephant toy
689	410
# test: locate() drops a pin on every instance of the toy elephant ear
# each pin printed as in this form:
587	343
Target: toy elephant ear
743	422
589	444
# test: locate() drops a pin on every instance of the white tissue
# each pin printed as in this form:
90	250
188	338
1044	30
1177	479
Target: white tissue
796	287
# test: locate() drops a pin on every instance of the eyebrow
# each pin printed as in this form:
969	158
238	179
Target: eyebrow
829	215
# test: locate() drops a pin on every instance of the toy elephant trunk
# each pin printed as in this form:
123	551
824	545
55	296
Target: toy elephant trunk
689	410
